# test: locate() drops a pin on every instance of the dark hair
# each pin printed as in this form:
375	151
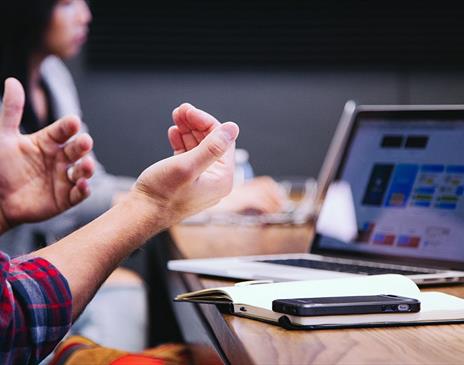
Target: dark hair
22	27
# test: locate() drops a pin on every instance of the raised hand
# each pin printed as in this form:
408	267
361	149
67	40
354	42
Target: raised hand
200	173
165	193
192	125
41	174
261	194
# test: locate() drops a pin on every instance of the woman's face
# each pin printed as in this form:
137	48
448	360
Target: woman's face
68	28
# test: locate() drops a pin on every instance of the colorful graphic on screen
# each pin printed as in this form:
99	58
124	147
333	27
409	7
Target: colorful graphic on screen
407	184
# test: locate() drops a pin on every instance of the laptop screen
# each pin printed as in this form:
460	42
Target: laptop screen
406	177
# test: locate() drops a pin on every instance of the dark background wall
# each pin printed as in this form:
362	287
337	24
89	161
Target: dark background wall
288	105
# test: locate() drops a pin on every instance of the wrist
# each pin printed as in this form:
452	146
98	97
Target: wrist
149	217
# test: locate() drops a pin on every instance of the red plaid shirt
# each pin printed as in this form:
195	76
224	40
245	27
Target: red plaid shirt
35	309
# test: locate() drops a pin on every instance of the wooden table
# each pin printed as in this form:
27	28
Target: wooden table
238	340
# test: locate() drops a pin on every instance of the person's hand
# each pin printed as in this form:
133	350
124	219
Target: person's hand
192	125
261	195
165	193
198	176
41	174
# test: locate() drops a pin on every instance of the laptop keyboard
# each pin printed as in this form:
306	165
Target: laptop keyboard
342	267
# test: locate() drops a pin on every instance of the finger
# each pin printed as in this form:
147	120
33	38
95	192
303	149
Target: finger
78	147
270	187
199	136
255	208
212	148
83	169
189	141
61	130
199	120
258	200
270	205
79	191
175	139
179	117
13	104
188	118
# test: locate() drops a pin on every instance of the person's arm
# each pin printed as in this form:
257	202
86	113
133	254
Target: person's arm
164	194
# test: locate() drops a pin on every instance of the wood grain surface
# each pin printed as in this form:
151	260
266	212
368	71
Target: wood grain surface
248	341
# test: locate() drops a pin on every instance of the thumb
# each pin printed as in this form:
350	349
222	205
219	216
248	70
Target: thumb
13	104
212	148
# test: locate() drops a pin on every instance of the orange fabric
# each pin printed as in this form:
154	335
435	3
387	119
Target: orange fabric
78	350
137	360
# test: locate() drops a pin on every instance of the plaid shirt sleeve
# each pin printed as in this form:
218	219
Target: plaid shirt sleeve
35	309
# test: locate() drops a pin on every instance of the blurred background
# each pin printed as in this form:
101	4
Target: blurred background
281	69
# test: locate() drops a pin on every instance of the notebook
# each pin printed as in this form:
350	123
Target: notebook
390	197
255	301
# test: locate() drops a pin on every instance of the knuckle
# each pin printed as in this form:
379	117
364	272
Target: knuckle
13	108
73	150
215	148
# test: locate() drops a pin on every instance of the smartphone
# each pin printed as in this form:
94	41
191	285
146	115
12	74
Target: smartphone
328	306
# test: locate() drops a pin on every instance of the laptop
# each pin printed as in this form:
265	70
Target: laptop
401	169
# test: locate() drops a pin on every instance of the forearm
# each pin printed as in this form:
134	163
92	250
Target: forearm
88	256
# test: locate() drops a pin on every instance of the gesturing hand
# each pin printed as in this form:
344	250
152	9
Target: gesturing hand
192	125
198	176
41	174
